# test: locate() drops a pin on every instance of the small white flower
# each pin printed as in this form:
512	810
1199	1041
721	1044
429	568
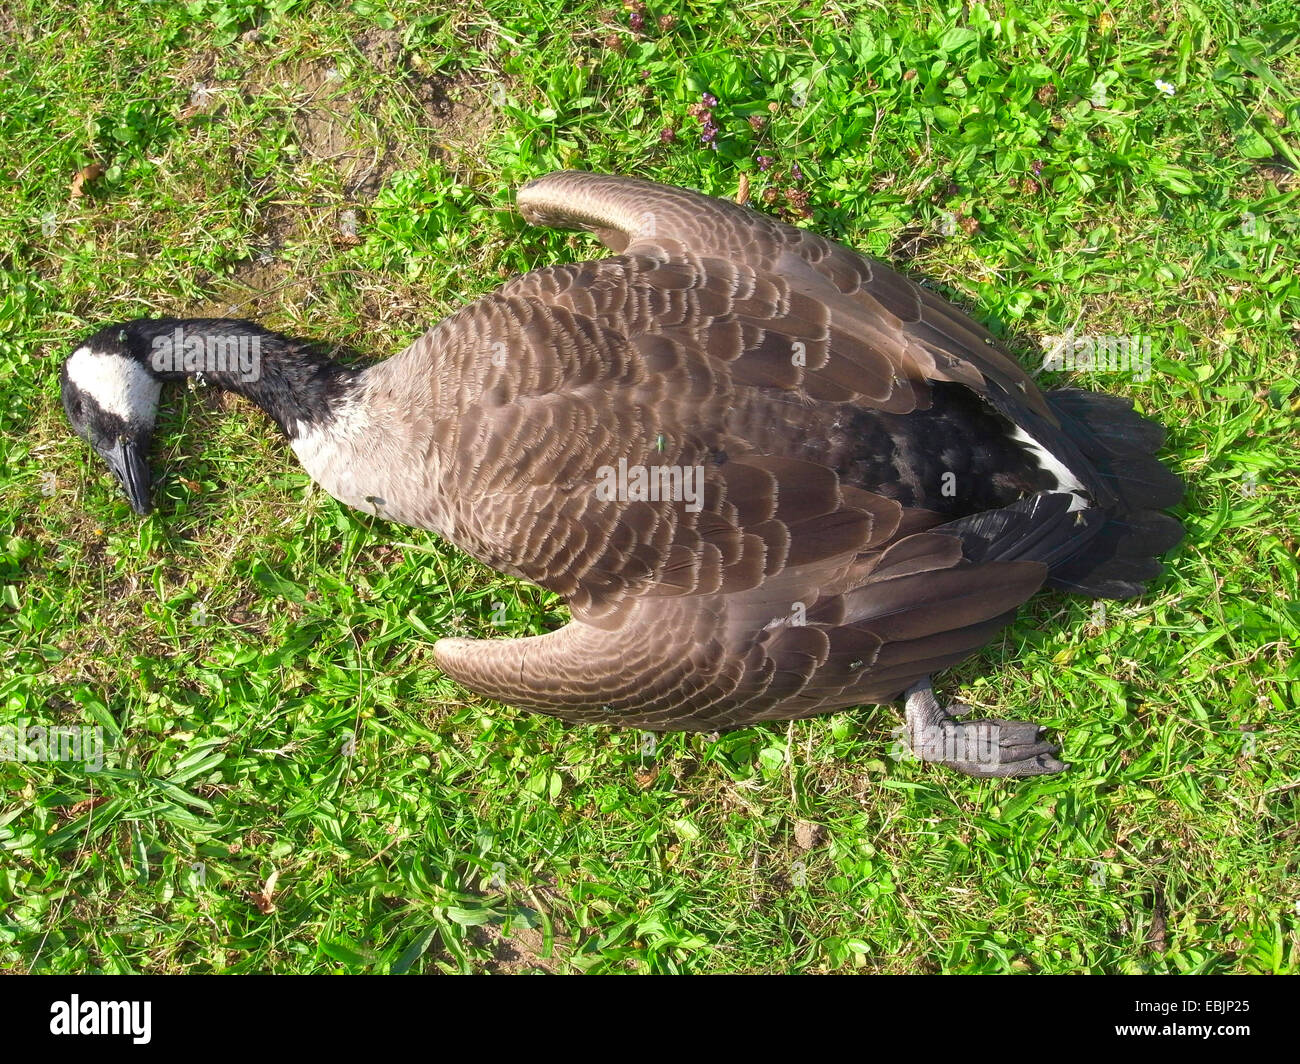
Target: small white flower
1164	87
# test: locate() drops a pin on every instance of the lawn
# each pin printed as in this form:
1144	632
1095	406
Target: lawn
291	785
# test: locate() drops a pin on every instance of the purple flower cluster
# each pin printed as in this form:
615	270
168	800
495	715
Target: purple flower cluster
703	113
791	202
637	15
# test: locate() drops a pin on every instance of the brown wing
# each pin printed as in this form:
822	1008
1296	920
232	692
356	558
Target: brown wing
797	608
877	326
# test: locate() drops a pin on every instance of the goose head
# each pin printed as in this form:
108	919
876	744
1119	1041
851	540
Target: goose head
110	396
112	381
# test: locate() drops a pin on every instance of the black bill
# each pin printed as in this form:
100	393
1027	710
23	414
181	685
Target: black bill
128	461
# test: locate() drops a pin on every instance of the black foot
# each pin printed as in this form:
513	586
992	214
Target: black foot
995	748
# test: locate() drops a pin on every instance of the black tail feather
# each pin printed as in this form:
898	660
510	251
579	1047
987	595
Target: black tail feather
1040	528
1120	443
1123	553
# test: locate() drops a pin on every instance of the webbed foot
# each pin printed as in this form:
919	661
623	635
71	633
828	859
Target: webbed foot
990	747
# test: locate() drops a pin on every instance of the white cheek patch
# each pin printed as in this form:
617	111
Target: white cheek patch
120	385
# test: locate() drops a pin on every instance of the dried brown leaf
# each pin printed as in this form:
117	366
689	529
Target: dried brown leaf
84	806
86	173
742	193
264	899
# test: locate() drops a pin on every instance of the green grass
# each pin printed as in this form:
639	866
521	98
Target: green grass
1022	158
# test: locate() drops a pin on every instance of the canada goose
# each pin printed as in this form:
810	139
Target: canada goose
772	478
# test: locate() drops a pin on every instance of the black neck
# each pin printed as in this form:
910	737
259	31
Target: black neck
298	384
